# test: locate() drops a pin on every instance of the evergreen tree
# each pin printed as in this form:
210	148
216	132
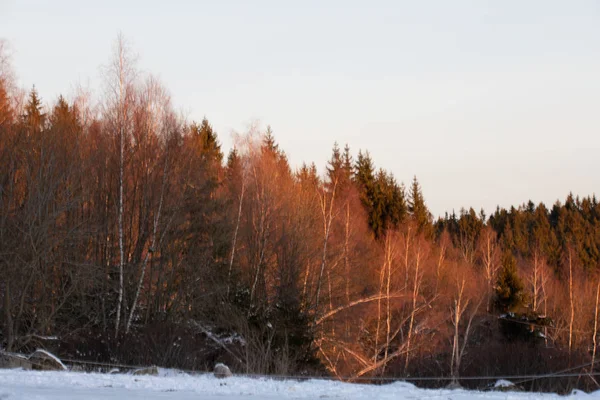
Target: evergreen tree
339	168
34	119
269	142
509	287
271	148
364	177
308	177
347	163
335	166
233	169
418	210
207	141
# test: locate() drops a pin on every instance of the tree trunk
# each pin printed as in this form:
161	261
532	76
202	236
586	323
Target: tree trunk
571	302
595	329
415	294
8	318
235	234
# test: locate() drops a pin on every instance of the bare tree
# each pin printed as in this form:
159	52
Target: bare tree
326	202
159	122
460	306
7	76
489	254
120	80
537	279
419	255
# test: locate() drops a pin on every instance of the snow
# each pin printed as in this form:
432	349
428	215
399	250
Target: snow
48	355
503	383
38	385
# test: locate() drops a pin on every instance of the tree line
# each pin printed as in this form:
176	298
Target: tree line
126	234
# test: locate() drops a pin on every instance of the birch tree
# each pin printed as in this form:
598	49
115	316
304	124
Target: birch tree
595	333
326	203
419	255
489	254
460	306
538	278
120	81
159	122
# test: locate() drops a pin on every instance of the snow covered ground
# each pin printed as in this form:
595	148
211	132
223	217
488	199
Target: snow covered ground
17	385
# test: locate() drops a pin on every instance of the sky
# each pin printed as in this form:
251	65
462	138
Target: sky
486	102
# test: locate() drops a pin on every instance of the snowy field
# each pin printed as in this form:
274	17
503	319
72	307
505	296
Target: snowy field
17	385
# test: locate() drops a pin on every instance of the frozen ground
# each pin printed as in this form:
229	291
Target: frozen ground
17	385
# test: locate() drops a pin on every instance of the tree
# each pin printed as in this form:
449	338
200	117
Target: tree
207	141
489	254
418	210
157	121
460	307
509	288
6	112
381	196
469	227
364	176
120	81
236	173
34	119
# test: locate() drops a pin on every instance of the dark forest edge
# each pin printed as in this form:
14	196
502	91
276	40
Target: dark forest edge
127	236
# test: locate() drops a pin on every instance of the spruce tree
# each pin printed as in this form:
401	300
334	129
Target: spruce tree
347	162
509	287
269	142
418	210
335	166
364	177
34	119
207	141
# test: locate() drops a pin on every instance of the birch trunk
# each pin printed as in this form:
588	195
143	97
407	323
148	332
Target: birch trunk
152	246
327	220
571	302
595	329
235	234
415	294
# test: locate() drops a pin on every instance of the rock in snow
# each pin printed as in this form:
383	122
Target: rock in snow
147	371
46	361
10	360
503	383
222	371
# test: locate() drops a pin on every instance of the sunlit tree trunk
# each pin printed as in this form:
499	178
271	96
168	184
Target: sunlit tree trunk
415	295
571	300
235	233
327	214
594	336
120	76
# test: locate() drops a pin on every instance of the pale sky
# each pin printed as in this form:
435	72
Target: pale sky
486	102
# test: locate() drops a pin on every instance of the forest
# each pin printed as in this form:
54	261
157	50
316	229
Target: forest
128	236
